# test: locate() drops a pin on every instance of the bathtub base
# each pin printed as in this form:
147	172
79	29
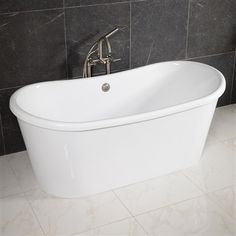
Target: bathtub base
76	164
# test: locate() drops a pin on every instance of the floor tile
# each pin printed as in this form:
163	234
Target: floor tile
223	124
198	216
227	199
128	227
21	165
156	193
17	218
215	170
72	216
211	140
231	143
8	182
231	107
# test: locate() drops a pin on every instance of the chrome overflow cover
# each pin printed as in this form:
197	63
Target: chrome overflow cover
105	87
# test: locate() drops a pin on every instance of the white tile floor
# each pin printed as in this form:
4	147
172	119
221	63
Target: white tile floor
196	201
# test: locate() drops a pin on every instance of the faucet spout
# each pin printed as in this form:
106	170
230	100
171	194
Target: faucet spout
109	34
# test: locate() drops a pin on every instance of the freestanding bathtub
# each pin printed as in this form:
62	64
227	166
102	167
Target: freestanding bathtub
154	120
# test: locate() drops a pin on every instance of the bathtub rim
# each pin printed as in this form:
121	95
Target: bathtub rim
114	122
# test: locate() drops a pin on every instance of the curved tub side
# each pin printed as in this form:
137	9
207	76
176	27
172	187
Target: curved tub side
77	164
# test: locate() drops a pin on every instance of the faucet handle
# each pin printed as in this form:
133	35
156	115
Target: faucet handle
110	59
115	60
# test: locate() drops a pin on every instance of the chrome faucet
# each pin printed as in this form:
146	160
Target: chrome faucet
97	49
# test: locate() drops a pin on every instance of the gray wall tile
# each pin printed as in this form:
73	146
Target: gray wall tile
212	25
234	83
32	48
69	3
158	31
85	25
26	5
11	131
1	138
225	64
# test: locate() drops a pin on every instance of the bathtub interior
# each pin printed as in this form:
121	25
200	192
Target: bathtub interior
132	92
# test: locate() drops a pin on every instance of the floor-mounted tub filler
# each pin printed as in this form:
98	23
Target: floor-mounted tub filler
86	136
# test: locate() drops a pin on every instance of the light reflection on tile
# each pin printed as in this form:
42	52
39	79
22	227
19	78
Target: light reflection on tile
21	165
156	193
127	227
69	216
227	199
215	170
194	217
8	182
16	217
231	143
223	124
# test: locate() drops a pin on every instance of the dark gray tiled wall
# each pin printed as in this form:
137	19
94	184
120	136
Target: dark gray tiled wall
212	27
34	47
234	83
159	30
26	5
12	137
71	3
2	151
48	39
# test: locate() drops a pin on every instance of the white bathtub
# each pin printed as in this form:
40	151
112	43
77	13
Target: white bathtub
154	120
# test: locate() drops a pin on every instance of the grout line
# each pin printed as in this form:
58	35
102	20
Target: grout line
31	11
130	212
105	4
171	204
221	189
136	220
234	74
151	179
113	190
68	7
14	87
101	226
187	177
130	34
205	192
94	5
24	194
65	40
35	215
3	139
187	33
210	55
